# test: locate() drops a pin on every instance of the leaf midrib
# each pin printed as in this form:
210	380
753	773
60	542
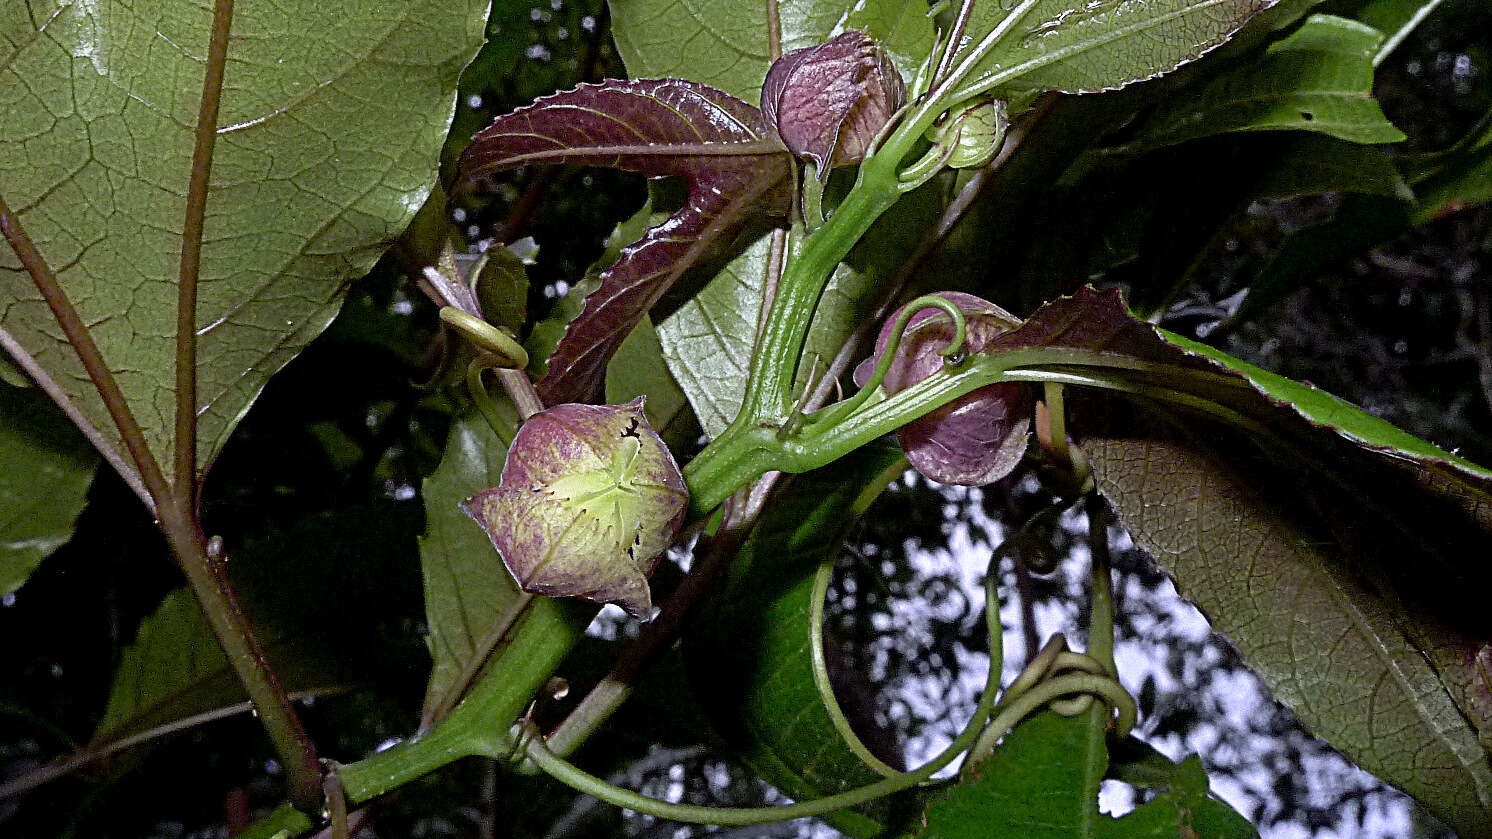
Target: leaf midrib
1001	77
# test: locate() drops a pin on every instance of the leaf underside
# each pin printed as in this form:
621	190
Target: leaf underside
659	128
331	123
1343	556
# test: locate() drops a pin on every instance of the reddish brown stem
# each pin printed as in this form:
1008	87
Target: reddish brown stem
175	513
79	338
185	473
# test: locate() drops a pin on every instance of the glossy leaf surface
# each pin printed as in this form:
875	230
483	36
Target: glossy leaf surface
1319	78
1099	45
331	123
664	127
46	468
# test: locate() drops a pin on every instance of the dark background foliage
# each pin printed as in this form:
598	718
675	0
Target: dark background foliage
319	489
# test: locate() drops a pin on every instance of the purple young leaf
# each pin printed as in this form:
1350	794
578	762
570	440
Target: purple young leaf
737	172
828	102
589	499
978	438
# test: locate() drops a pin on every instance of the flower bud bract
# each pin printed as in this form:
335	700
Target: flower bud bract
589	499
828	102
977	438
975	131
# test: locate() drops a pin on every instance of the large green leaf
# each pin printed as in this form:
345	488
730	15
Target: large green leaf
750	650
1100	45
174	669
45	470
466	586
1320	79
725	43
1343	556
331	122
1042	782
707	341
1374	675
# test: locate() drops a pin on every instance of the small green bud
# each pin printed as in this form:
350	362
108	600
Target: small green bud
976	131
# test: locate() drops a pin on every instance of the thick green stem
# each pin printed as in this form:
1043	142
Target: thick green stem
541	637
774	363
745	451
740	455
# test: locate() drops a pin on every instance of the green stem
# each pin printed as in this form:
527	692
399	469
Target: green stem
500	425
746	450
832	415
1056	416
740	455
478	726
768	396
1101	622
819	665
1068	684
198	183
582	781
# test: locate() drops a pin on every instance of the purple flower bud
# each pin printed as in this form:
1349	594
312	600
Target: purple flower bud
828	102
976	439
589	499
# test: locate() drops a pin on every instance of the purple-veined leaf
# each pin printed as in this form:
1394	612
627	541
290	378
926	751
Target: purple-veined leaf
1344	557
737	173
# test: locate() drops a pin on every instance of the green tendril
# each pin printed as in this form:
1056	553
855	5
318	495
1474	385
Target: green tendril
926	166
497	348
951	350
1062	680
501	426
533	746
